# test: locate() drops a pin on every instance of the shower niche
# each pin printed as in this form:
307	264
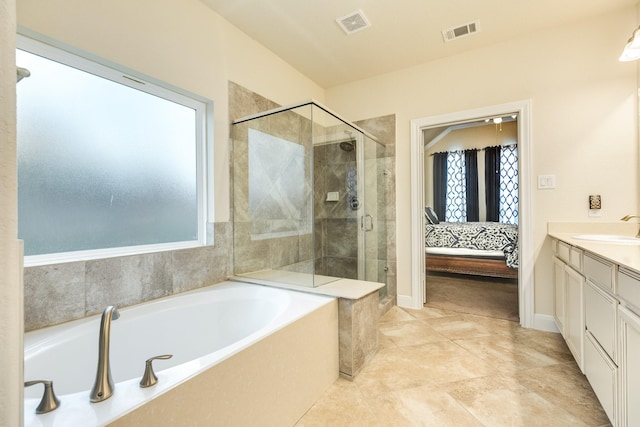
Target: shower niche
308	198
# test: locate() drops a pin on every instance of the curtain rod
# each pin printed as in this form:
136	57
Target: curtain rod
475	149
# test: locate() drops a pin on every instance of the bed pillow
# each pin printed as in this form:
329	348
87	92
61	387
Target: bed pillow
432	218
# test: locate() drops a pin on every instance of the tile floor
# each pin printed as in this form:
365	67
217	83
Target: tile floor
443	368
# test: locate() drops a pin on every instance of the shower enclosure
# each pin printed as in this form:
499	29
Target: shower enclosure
308	198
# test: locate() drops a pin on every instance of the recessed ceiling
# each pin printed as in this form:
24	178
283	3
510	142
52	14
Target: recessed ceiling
403	33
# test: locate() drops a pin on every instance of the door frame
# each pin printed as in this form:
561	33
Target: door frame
525	231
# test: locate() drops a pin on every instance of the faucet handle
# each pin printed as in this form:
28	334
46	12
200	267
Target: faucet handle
49	400
149	378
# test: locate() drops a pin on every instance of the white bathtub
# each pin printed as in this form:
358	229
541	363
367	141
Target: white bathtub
200	329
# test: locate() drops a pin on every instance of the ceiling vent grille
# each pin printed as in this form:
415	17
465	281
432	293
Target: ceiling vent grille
353	22
461	31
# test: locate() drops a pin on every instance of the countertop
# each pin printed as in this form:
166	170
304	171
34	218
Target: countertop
624	254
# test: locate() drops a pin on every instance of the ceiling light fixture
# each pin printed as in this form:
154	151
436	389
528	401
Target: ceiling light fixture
631	51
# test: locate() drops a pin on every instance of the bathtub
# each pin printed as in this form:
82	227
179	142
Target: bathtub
241	353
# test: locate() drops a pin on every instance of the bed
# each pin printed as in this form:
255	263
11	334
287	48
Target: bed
475	248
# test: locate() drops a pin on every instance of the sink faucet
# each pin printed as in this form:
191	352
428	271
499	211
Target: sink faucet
627	218
103	385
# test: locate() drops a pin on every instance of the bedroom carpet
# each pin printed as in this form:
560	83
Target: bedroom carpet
482	296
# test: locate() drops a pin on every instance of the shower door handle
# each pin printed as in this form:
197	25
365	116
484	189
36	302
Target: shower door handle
363	222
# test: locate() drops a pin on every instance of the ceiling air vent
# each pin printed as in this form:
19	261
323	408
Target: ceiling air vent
461	31
353	22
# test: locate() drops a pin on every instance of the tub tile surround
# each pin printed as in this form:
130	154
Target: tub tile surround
358	333
62	292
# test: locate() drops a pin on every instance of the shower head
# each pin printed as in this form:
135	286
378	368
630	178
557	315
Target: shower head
347	146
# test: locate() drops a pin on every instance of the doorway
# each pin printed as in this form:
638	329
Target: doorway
471	188
525	270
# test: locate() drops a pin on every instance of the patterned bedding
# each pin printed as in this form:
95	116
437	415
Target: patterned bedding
475	235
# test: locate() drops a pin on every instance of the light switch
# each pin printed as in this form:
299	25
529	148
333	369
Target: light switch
546	182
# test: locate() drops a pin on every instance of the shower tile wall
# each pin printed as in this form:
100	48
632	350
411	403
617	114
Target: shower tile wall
336	231
276	213
340	255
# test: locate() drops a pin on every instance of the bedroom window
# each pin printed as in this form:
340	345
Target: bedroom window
509	185
456	205
109	163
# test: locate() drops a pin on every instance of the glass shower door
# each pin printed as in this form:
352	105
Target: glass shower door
372	237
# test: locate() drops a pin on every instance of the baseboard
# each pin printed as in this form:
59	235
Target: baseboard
545	322
406	301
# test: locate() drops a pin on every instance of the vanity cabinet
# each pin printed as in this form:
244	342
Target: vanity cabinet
569	303
559	289
574	316
597	309
629	347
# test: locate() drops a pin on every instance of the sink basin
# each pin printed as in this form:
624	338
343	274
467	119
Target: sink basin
609	238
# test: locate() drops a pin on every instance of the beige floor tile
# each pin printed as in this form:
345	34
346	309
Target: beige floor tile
348	412
421	406
458	327
396	314
446	362
384	341
495	326
507	355
503	401
410	333
342	389
429	313
390	370
437	368
566	387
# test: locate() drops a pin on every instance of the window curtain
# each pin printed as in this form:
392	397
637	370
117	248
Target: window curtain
440	184
471	178
492	182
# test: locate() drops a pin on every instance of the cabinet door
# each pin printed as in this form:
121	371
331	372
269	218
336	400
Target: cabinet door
574	314
601	373
559	290
600	317
629	367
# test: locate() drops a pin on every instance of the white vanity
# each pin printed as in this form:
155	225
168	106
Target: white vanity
597	309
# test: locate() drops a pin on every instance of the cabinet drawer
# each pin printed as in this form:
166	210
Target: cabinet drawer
600	318
575	258
600	272
602	374
629	287
563	251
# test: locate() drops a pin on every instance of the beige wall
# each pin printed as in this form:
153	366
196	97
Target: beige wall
181	42
10	249
583	121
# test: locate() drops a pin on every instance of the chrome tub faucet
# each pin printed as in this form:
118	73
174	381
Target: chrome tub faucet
103	385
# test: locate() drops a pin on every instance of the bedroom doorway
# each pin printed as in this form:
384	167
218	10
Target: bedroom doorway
523	249
471	216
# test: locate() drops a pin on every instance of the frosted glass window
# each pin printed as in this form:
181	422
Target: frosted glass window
104	165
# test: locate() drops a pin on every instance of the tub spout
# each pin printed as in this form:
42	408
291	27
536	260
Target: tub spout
103	385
